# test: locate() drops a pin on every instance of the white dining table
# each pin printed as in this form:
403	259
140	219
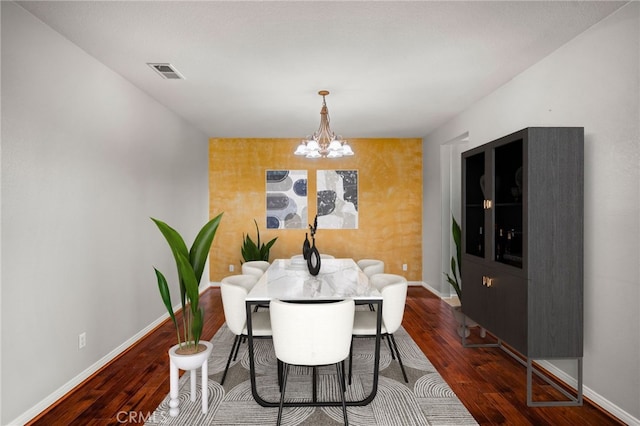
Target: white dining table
289	280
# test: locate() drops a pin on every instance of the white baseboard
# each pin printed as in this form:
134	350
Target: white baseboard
67	387
433	290
598	399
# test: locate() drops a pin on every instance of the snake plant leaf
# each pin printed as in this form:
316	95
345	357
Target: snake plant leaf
455	286
202	244
177	245
454	268
249	250
191	284
257	233
192	292
266	249
243	249
456	233
166	295
457	239
196	325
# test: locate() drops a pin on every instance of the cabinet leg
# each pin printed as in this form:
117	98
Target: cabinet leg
571	401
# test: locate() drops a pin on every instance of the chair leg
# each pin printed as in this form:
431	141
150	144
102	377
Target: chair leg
314	384
350	360
279	375
236	341
340	371
260	306
240	341
390	336
284	385
393	356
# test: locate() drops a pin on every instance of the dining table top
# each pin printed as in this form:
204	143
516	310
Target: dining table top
289	279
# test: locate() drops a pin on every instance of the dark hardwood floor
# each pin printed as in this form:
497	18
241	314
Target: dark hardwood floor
490	383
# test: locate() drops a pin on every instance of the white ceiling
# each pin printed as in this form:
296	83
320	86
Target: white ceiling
253	69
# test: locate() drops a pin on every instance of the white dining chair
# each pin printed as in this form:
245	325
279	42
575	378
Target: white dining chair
371	267
312	334
246	281
255	267
394	296
379	281
234	294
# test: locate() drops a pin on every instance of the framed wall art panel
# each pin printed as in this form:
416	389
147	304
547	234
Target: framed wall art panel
286	199
337	199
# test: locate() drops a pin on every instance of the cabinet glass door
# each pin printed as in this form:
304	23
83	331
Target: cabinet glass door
474	227
508	203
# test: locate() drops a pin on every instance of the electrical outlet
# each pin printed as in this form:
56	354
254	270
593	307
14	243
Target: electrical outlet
231	268
404	266
82	340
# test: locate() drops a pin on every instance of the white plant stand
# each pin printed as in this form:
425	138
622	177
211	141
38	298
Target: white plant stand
191	363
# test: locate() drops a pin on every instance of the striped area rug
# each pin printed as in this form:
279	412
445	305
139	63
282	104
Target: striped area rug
425	400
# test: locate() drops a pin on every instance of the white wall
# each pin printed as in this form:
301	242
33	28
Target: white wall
86	159
593	81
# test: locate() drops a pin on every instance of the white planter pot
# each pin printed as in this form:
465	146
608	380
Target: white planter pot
191	363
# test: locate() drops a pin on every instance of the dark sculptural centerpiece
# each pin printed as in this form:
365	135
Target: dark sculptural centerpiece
306	246
311	253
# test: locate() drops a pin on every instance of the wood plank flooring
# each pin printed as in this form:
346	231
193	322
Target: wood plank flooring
490	383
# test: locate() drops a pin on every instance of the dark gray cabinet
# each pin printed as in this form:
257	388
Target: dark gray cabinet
522	240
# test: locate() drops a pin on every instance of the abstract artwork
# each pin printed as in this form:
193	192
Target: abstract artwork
286	199
337	195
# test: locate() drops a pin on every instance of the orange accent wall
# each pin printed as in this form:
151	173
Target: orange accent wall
389	201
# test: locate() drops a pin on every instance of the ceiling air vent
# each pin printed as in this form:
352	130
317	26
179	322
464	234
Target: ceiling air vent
166	71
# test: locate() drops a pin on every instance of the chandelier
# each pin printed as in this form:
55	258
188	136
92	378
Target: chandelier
324	143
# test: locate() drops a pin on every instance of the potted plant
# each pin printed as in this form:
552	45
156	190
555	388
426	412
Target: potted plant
190	265
456	232
455	280
254	250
